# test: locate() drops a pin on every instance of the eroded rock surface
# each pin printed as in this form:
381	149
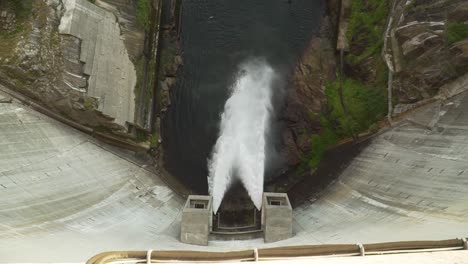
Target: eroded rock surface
306	94
7	21
422	55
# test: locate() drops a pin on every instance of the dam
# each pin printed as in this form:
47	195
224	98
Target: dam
65	196
76	182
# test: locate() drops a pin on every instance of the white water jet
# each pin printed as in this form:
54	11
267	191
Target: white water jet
240	149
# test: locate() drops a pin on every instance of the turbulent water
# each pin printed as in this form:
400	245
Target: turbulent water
216	37
239	152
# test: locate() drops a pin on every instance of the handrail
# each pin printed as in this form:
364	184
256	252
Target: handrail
280	253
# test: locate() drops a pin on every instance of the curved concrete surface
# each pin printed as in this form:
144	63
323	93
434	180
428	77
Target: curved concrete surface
451	257
65	197
104	58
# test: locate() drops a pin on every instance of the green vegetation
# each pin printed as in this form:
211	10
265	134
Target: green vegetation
143	13
139	69
99	128
456	31
143	18
154	140
22	9
141	136
9	40
364	93
366	105
88	103
321	142
365	29
7	44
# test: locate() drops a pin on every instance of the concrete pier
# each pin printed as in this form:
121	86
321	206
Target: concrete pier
276	217
196	220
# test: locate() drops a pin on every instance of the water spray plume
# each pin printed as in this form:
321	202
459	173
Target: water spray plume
239	152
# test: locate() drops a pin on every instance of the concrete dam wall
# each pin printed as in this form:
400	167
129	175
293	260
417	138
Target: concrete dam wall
111	74
66	197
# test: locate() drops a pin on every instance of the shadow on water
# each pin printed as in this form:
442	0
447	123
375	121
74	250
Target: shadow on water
218	35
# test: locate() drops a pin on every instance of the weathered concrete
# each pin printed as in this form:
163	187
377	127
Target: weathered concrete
453	88
345	12
5	99
64	197
60	188
196	221
112	76
132	33
276	217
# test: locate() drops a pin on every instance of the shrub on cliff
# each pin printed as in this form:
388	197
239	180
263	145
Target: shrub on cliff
143	13
22	9
366	25
365	106
456	31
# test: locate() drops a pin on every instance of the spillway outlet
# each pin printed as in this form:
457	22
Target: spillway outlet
239	221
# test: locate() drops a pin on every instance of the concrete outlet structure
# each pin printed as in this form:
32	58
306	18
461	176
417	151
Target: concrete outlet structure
276	217
196	220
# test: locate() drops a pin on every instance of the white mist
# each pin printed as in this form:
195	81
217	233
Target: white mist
240	149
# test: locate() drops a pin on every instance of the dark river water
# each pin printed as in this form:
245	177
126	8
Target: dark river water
218	35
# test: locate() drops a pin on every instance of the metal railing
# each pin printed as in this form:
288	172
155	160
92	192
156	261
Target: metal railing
279	253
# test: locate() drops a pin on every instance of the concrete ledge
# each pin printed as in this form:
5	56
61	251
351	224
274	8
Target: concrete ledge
276	217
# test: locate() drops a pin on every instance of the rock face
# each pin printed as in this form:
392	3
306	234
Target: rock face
7	21
306	94
72	58
422	55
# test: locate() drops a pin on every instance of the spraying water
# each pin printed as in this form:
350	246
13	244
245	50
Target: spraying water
239	152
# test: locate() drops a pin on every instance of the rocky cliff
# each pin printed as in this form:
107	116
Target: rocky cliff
427	47
74	58
306	94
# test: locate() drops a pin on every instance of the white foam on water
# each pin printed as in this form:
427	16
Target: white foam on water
239	152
